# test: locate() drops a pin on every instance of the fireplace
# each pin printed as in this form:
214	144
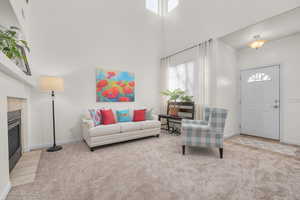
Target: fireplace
14	138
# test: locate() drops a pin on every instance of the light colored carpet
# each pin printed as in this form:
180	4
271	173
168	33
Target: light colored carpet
268	145
25	170
154	168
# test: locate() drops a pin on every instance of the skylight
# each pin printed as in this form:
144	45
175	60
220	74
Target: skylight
172	4
153	6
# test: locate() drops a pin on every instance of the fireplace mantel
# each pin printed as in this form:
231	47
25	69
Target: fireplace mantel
12	70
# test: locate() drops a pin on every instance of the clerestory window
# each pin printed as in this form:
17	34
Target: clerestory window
172	4
161	7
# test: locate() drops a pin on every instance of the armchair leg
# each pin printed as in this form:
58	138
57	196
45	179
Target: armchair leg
183	149
221	152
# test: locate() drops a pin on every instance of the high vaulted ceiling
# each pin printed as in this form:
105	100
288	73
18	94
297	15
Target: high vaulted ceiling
273	28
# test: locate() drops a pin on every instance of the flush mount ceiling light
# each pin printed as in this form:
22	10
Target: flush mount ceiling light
257	43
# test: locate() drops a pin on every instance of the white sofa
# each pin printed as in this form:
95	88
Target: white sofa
119	132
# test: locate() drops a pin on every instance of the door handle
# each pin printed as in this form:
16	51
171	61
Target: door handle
276	106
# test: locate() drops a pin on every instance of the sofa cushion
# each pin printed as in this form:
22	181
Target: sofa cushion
123	116
139	115
130	126
95	115
107	117
105	130
149	115
149	124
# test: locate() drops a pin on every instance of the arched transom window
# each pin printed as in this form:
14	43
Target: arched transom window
258	77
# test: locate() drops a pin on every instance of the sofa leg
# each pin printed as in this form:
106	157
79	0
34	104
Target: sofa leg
183	149
221	152
92	149
157	135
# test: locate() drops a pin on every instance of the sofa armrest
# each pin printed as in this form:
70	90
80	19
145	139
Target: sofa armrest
88	123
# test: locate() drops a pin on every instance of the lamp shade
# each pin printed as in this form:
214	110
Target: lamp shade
51	83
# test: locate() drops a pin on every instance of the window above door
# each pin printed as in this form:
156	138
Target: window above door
258	77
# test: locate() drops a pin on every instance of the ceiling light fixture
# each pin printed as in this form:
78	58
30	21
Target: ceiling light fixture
257	43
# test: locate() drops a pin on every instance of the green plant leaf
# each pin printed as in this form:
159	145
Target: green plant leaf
25	45
12	33
186	98
9	54
9	44
173	95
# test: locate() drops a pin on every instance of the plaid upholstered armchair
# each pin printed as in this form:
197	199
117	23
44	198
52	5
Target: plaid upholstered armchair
205	133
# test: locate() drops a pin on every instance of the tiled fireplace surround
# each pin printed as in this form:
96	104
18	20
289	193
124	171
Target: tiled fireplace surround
14	104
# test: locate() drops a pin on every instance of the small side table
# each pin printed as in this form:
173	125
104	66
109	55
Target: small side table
177	120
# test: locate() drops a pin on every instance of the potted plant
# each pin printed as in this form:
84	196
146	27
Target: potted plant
186	98
10	44
173	95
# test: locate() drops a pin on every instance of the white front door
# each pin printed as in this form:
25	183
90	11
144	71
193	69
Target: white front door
260	102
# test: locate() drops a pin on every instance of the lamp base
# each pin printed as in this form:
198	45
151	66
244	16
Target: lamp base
54	148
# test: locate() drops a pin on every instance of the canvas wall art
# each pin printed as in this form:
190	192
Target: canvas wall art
114	86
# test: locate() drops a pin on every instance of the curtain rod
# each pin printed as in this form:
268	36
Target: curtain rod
183	50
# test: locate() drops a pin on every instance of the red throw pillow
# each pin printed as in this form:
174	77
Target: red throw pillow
139	115
107	117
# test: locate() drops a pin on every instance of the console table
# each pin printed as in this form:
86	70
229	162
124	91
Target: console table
186	110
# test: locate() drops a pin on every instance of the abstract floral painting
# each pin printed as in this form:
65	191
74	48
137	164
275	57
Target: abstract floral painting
114	86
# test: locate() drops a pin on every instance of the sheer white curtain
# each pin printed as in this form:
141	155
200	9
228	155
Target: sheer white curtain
204	63
189	71
164	77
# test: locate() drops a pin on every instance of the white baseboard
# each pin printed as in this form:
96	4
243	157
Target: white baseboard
40	146
4	193
230	135
290	142
26	149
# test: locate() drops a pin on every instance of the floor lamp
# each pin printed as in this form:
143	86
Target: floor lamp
52	84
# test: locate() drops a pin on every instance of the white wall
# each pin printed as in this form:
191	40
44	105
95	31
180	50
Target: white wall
71	38
7	17
286	53
8	88
225	90
21	9
12	88
194	21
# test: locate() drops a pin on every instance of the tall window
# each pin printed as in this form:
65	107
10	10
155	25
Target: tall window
172	4
182	77
161	7
153	5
